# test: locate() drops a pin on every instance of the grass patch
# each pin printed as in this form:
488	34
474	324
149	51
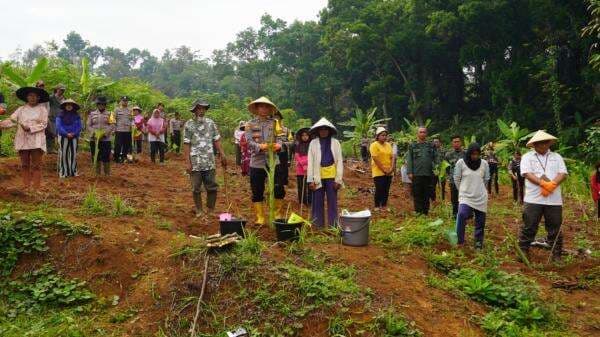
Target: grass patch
120	207
419	232
92	205
391	324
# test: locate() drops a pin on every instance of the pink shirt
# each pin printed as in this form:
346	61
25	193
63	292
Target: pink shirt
36	118
156	125
301	163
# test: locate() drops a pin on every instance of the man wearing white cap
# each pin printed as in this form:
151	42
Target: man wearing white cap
543	171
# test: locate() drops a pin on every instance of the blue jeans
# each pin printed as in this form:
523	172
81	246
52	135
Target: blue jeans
465	212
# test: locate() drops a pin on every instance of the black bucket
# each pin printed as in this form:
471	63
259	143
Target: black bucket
287	231
232	226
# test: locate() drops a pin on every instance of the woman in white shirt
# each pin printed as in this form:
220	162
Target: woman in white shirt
471	175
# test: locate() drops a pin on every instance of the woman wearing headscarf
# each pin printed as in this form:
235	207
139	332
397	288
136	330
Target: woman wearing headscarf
68	128
471	175
325	172
382	167
31	120
301	160
157	127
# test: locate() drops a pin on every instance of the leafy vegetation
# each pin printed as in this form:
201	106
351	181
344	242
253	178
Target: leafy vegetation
19	235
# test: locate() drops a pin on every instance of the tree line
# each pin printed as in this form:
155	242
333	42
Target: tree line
461	63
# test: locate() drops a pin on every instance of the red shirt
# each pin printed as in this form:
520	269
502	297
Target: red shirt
595	187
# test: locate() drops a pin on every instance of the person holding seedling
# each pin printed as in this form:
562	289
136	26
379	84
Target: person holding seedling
544	171
518	182
284	138
101	127
123	120
56	99
68	128
138	129
382	167
301	159
175	125
31	120
200	139
452	157
325	172
260	134
157	127
471	174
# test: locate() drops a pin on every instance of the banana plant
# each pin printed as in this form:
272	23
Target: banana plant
363	125
514	137
18	81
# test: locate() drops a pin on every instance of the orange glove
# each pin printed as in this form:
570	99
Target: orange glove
263	146
277	147
548	187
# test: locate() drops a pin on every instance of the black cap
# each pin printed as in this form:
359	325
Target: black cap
101	100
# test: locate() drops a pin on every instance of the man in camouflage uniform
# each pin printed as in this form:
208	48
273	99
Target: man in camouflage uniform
259	134
421	159
56	100
452	156
200	138
123	118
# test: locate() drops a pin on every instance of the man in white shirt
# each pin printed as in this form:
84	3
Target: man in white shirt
543	171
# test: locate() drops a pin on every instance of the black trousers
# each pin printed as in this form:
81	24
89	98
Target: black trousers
238	155
122	146
138	145
364	153
532	215
421	188
176	139
258	178
104	148
382	190
493	178
434	181
157	147
518	187
304	194
443	188
454	199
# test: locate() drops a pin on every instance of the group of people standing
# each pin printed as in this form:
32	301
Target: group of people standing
53	124
264	142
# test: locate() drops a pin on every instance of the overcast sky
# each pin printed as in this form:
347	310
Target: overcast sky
203	25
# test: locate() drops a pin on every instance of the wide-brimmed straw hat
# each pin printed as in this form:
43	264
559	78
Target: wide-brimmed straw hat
323	122
379	130
24	91
70	101
136	108
541	136
263	100
199	103
60	86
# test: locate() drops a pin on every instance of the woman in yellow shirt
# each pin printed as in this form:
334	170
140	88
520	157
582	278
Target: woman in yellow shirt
382	167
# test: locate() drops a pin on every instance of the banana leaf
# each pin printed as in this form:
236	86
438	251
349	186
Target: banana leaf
15	78
37	71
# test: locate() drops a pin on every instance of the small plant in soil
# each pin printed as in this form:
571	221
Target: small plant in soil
91	203
120	207
392	324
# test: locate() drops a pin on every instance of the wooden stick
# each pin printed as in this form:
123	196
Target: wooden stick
205	277
302	195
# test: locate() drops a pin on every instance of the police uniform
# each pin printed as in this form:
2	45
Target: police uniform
101	120
123	118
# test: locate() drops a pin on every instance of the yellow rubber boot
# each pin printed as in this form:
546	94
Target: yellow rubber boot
278	209
260	213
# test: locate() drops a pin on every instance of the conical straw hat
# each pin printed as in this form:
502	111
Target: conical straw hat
541	136
252	105
323	122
